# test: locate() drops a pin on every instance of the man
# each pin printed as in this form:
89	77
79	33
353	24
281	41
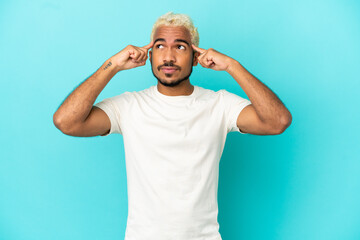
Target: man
174	133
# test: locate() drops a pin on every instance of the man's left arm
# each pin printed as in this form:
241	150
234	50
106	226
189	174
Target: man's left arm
266	115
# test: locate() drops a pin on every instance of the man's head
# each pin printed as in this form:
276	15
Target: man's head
172	56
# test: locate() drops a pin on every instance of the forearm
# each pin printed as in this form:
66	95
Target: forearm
268	106
77	106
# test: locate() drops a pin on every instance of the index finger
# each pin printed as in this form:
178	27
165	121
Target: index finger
149	45
200	50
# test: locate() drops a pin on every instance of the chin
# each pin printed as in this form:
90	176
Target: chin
169	75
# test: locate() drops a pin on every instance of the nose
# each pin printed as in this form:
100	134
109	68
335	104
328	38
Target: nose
169	56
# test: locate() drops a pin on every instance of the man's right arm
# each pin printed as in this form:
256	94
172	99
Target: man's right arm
77	116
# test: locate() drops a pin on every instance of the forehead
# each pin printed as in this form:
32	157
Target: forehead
172	32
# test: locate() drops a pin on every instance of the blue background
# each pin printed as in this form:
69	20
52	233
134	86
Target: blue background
302	184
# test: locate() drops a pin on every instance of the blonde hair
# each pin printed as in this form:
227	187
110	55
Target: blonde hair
177	19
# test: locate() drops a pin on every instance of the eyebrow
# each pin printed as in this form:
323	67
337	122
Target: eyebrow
176	40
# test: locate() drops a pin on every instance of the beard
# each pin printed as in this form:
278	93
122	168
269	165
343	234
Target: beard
175	82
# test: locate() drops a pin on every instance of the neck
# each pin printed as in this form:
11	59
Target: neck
184	88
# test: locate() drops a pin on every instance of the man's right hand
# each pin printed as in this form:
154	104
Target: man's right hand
131	57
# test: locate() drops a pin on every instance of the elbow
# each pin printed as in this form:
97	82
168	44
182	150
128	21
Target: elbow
280	125
56	121
285	122
59	125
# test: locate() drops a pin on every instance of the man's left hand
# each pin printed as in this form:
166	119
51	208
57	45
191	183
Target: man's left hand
213	59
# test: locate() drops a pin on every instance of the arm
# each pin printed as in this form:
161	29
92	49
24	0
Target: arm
267	115
75	109
77	116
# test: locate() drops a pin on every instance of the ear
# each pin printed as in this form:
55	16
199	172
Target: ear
150	55
195	59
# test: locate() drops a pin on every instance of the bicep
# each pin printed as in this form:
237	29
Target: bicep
97	123
248	121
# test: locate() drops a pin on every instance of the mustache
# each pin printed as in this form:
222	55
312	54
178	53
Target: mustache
169	64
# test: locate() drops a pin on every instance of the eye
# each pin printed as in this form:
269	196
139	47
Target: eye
181	46
158	46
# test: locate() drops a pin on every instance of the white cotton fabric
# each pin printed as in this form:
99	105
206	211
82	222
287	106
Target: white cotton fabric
173	145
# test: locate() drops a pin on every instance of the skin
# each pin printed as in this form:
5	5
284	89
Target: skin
266	115
172	48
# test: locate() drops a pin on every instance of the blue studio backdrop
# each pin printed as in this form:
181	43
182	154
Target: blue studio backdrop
302	184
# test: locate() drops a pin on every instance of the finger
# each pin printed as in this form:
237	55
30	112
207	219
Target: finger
200	50
141	57
150	45
141	63
203	64
200	58
135	55
203	57
144	57
206	61
210	64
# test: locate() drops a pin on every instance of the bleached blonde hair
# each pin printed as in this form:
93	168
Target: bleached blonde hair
177	19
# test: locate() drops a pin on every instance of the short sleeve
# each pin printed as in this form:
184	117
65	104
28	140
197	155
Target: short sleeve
234	104
115	108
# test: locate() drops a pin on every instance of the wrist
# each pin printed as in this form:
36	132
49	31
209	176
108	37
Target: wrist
233	65
111	65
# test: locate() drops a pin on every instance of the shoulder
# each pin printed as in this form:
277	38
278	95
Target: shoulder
206	94
211	92
229	97
122	96
221	95
146	91
135	94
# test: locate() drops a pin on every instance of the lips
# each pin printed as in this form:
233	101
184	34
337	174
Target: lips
168	69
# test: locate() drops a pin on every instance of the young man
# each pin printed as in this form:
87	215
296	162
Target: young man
174	133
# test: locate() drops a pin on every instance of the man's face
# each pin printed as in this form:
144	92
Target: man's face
172	56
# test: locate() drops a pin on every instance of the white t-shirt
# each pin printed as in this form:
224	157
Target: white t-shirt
173	146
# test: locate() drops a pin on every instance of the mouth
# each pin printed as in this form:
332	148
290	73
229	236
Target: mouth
169	69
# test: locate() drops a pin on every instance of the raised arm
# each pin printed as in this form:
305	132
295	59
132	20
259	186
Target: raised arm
266	115
77	116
